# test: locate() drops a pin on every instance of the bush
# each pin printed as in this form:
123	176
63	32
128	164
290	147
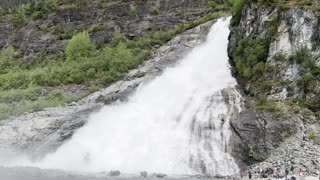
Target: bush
250	56
312	135
302	55
307	82
154	10
280	57
212	3
263	103
79	46
19	18
8	60
132	9
314	103
237	10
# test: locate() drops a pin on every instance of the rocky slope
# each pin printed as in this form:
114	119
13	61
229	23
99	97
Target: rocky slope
281	47
50	32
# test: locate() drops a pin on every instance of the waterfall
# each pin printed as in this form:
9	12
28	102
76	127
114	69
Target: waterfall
178	123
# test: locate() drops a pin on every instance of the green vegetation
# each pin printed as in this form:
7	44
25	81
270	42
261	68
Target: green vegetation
237	9
132	9
154	10
312	135
307	83
24	10
217	5
28	99
309	80
250	56
79	47
250	61
263	103
280	57
301	55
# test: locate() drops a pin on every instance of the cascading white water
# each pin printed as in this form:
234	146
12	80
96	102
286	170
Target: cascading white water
175	124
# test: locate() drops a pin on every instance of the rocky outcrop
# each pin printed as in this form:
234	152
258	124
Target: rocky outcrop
51	33
257	134
40	132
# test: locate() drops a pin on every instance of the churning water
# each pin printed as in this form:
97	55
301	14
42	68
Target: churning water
175	124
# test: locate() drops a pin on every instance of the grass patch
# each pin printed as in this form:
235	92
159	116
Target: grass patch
264	104
312	135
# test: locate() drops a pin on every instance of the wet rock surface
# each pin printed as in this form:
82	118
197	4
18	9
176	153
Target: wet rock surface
41	132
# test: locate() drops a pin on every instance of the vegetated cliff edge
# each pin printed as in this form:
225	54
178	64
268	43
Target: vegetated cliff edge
274	51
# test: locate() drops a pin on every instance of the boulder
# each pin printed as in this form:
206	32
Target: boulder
114	173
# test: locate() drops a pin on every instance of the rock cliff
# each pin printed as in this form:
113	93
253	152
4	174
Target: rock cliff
275	57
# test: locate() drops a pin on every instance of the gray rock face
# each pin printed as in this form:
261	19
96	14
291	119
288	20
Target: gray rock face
297	29
41	132
256	136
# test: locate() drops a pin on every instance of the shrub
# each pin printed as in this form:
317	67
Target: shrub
312	135
301	55
314	103
212	3
307	82
154	10
79	46
250	56
8	60
96	28
263	103
117	39
132	9
19	18
237	10
280	57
